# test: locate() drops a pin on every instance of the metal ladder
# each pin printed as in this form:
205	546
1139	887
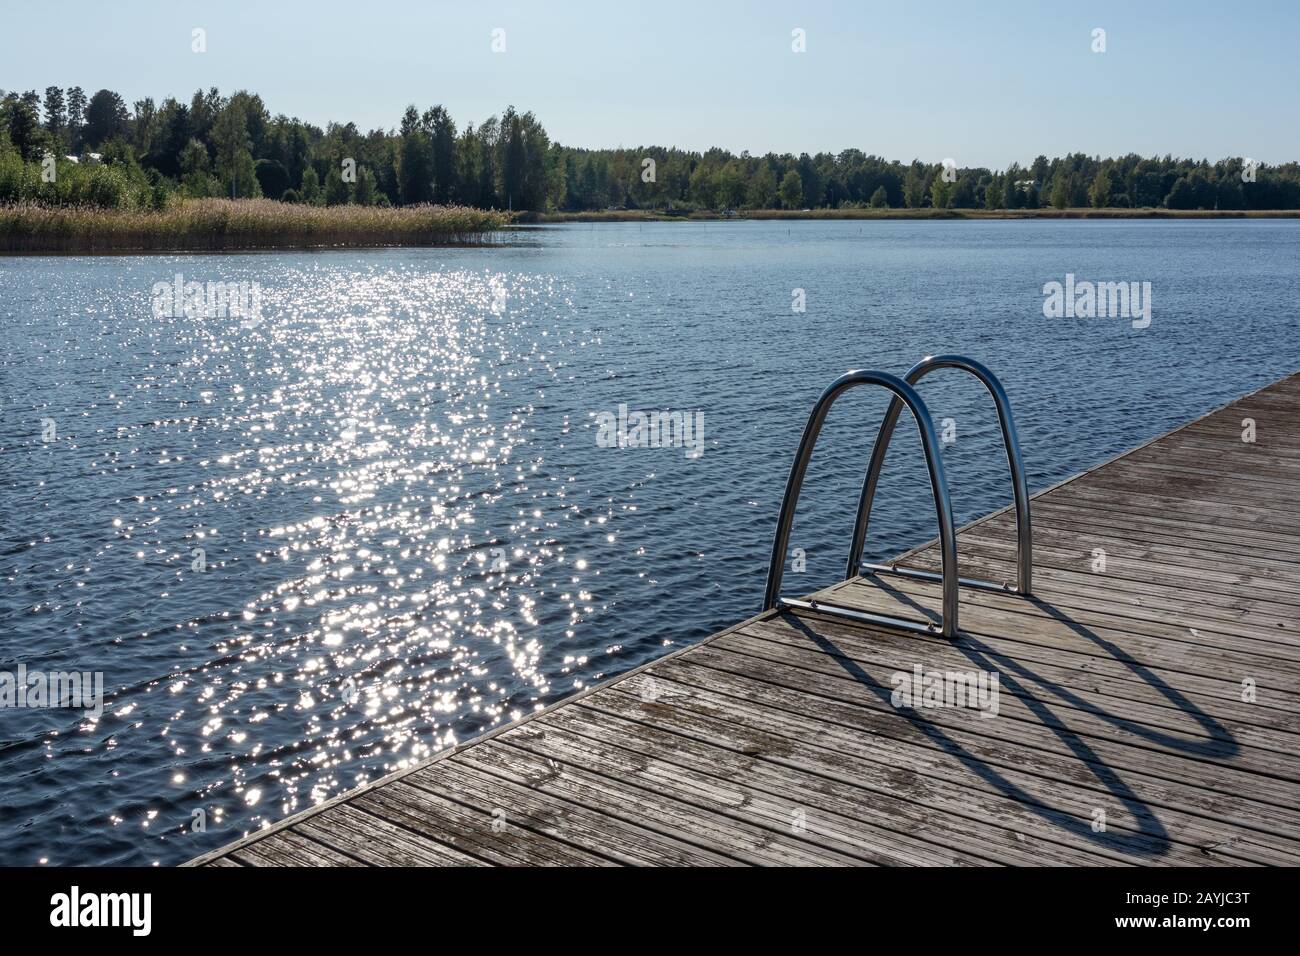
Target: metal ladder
905	394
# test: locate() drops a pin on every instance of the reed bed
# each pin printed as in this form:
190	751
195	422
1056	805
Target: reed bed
227	224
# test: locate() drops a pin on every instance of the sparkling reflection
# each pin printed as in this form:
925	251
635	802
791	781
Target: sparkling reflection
339	533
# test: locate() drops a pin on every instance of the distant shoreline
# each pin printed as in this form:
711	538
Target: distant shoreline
260	225
649	215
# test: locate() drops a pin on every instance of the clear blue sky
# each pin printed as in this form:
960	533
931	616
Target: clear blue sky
984	83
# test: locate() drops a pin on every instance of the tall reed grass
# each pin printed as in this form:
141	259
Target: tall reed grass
224	224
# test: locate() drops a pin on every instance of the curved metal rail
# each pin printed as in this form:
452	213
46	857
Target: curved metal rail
904	394
1024	532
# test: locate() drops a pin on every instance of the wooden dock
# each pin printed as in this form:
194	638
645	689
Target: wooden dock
1148	713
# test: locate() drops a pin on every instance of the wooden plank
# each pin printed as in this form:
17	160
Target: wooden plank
1135	566
1187	498
845	700
1065	519
1123	680
953	775
871	832
1203	563
471	830
1159	714
1248	527
376	842
870	819
1182	648
1039	808
286	848
1109	603
657	809
519	806
1154	579
1133	598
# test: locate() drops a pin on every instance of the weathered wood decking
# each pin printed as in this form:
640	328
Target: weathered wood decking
1125	698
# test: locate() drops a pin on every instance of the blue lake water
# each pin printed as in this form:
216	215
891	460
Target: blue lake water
306	551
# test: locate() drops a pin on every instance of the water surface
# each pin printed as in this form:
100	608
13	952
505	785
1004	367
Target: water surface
307	551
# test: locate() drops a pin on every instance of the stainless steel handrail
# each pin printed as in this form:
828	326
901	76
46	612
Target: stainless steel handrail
1024	531
904	394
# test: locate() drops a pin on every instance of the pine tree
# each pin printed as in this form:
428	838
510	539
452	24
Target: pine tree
56	115
76	107
1011	195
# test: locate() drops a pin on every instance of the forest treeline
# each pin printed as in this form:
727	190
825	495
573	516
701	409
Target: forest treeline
215	145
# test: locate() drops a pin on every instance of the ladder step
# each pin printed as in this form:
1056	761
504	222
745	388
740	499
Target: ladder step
861	617
976	583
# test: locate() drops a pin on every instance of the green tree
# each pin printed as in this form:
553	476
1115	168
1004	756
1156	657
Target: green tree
762	187
1181	196
1191	192
175	136
1148	189
993	194
1230	194
703	187
415	176
234	150
791	190
731	186
296	148
336	190
243	175
56	114
1012	197
511	160
310	191
106	117
146	125
1078	190
366	187
194	158
963	192
675	177
940	191
1100	190
25	132
1039	169
272	177
194	169
880	198
441	133
813	183
914	187
76	116
469	158
536	146
1061	189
